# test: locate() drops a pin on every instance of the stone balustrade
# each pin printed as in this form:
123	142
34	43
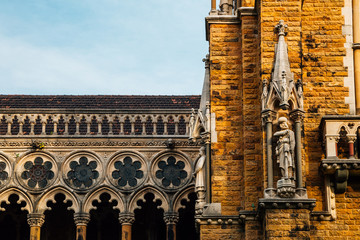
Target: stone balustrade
97	122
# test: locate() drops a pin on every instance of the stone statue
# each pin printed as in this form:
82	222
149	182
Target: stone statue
299	88
264	94
199	171
192	124
285	149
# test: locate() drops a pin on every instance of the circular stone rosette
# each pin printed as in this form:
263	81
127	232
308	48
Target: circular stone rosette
36	171
82	171
5	171
171	171
127	171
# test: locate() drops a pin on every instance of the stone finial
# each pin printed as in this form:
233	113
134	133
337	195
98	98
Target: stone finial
206	60
280	28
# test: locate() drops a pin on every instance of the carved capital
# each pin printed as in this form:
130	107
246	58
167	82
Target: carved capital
35	219
171	217
297	115
126	218
351	138
81	218
268	116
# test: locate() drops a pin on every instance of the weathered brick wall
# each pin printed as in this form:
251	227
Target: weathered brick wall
227	169
252	132
347	224
223	232
287	224
323	75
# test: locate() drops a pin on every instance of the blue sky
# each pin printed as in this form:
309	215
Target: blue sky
102	47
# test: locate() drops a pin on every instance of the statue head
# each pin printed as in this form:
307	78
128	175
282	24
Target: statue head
283	123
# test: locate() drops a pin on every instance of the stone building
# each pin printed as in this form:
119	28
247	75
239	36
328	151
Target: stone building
103	166
269	151
284	123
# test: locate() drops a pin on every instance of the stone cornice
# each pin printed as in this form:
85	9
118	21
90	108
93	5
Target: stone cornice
104	143
92	111
219	19
246	11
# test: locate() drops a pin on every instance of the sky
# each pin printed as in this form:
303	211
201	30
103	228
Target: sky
102	47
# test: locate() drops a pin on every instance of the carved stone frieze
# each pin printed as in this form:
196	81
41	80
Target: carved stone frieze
89	143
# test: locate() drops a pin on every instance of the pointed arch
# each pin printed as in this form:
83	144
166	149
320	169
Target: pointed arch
346	127
140	195
184	194
50	196
23	197
95	195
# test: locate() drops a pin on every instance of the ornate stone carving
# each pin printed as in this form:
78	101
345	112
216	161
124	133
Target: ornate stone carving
199	173
127	172
171	172
4	174
179	143
282	87
35	219
37	173
83	173
285	150
171	217
126	218
81	218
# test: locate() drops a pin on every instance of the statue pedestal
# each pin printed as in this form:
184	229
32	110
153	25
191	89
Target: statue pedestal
200	202
286	188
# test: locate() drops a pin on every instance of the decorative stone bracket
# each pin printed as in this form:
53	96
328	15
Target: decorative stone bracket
338	167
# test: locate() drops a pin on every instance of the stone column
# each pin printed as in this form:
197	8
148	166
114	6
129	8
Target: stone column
268	118
171	218
81	221
126	221
35	220
298	116
351	139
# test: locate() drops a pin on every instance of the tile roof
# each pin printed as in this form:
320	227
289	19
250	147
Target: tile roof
99	101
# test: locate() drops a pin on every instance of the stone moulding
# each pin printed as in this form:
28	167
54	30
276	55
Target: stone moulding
219	19
218	220
110	143
287	203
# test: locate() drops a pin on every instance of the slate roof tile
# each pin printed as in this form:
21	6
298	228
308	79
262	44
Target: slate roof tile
99	101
